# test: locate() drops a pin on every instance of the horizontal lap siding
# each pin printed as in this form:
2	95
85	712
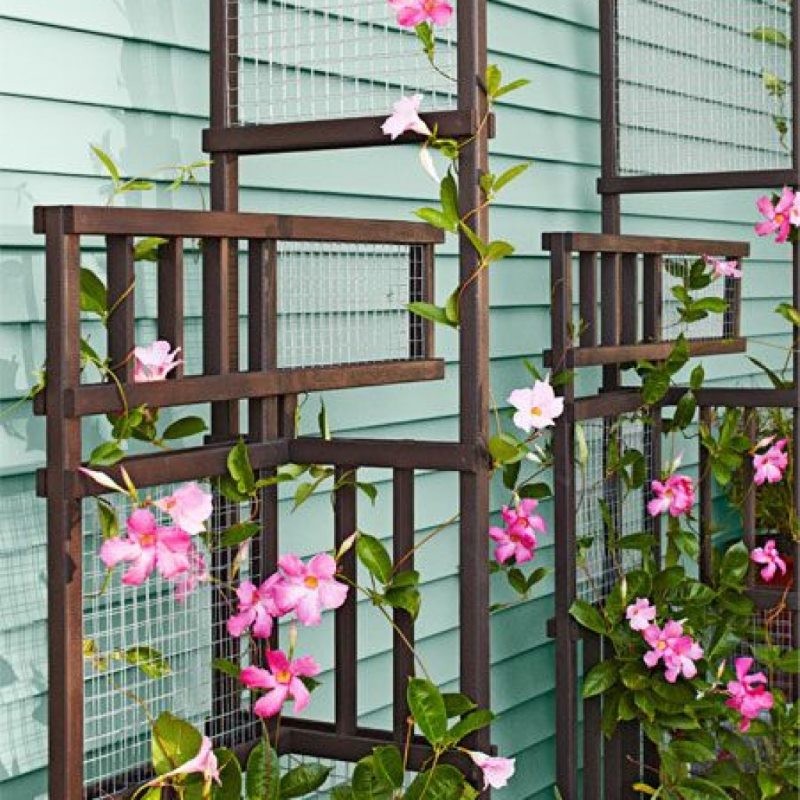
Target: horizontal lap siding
131	77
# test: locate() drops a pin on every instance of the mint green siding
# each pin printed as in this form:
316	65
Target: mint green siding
131	76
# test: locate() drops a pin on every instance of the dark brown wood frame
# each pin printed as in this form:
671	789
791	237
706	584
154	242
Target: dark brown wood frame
271	393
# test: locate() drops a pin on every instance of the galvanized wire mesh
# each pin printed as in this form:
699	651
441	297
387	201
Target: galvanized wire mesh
605	509
703	85
775	627
330	59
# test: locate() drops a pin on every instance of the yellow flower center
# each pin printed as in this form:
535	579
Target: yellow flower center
661	646
147	539
536	411
311	582
780	219
283	676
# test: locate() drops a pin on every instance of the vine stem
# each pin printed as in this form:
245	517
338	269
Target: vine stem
425	540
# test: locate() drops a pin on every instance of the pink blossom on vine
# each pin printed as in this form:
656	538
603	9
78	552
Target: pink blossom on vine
640	614
723	268
677	650
675	495
496	770
189	506
778	217
204	763
748	694
537	407
411	13
769	556
282	681
769	467
195	576
257	608
147	547
309	589
517	539
405	117
154	362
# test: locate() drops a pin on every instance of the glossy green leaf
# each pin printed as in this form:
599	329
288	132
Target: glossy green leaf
588	616
174	742
262	776
93	294
600	678
148	660
427	707
374	556
240	469
186	426
387	762
238	533
432	312
443	782
303	780
106	454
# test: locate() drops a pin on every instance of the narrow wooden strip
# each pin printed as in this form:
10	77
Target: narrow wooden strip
622	401
750	498
587	295
617	244
653	298
122	320
403	553
592	731
706	503
629	289
102	398
346	650
102	220
703	181
170	297
732	319
745	397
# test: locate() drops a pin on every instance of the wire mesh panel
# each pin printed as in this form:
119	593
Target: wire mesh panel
331	59
703	86
608	504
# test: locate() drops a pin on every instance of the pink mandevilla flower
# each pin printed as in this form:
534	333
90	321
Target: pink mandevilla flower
204	763
411	13
640	614
282	682
196	575
517	539
778	218
769	556
257	608
405	117
537	407
496	770
148	547
675	495
770	466
309	589
723	268
748	694
189	506
154	362
676	650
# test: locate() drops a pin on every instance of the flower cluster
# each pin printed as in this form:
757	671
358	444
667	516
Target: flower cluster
780	214
669	645
748	693
770	558
517	538
723	268
411	13
675	495
154	362
770	466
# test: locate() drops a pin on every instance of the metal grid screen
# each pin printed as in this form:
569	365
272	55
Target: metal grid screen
330	59
703	86
121	698
601	496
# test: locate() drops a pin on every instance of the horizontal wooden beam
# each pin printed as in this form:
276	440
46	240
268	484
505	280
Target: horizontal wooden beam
744	397
606	404
693	181
101	220
650	245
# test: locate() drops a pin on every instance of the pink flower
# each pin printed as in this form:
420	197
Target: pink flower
411	13
748	694
257	608
148	547
309	589
769	556
197	574
496	770
154	362
722	268
770	466
405	117
282	680
517	539
640	614
675	495
189	507
778	217
677	651
204	763
537	407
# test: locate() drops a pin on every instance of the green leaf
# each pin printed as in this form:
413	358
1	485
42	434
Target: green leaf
448	193
457	704
388	765
148	660
789	313
374	556
475	240
428	709
691	752
474	721
775	379
494	79
240	469
436	218
771	36
714	305
504	449
94	297
228	488
369	489
230	773
366	784
174	742
509	175
511	475
322	421
588	616
535	491
452	308
186	426
424	33
106	454
443	782
303	780
136	185
406	598
735	564
108	162
789	662
147	249
107	516
262	776
511	87
238	533
497	250
700	789
600	678
226	667
432	312
697	377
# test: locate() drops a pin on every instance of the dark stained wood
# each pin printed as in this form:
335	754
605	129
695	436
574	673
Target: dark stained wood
703	181
706	482
651	245
629	306
749	502
587	295
744	397
170	297
103	220
592	717
613	403
122	320
652	298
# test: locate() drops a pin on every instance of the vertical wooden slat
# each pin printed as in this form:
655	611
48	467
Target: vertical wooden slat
629	293
346	650
587	294
420	286
750	498
795	445
652	298
170	297
706	502
592	719
64	529
403	544
122	320
217	346
732	319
